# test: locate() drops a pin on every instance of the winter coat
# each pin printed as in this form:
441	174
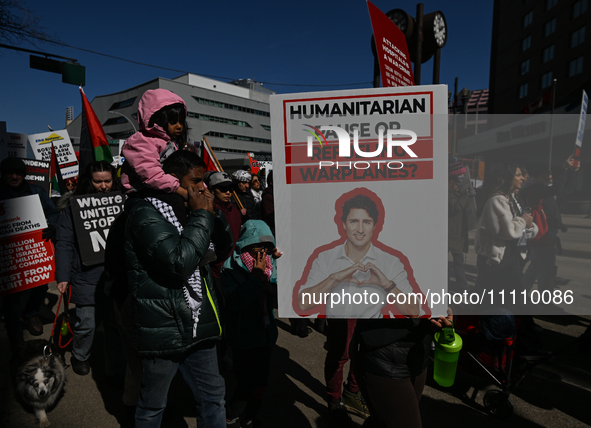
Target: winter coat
232	214
68	264
142	151
496	226
268	208
246	301
159	262
249	204
26	189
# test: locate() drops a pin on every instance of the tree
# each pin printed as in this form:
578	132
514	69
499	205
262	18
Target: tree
18	24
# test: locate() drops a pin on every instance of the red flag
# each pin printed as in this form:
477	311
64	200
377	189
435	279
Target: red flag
254	165
211	162
94	145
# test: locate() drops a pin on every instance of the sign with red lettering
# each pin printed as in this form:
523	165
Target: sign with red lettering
392	50
26	260
359	176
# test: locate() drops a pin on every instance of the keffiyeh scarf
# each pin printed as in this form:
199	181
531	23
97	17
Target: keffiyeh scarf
192	291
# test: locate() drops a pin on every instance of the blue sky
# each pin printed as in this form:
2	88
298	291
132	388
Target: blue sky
279	43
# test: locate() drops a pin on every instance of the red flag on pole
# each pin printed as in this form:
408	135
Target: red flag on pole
209	158
94	145
254	165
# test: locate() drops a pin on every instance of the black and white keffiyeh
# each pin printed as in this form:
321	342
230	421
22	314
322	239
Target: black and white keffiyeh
192	291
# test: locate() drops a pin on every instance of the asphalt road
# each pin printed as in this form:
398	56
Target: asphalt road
553	393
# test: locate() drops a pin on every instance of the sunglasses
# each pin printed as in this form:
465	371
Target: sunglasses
261	249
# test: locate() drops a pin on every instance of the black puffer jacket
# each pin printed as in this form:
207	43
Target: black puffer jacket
160	260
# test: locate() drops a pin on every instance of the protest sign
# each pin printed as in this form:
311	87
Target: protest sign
26	260
391	49
37	173
580	131
359	176
93	216
15	145
66	156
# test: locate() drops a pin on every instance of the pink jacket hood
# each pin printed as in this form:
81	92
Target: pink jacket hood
152	101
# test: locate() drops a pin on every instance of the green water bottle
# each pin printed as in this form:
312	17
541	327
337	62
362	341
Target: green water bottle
447	352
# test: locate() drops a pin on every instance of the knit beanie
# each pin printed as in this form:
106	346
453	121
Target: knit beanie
456	167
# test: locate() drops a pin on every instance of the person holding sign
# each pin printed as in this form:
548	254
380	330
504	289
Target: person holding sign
13	185
176	321
99	177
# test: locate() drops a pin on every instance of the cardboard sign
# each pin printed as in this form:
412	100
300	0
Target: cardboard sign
26	260
93	216
359	176
392	50
66	156
37	173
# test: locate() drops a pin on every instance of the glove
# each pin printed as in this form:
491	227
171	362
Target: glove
471	192
49	233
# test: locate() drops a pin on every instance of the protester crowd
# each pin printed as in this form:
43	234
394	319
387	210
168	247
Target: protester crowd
190	275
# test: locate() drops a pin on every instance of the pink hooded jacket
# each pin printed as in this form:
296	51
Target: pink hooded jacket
142	150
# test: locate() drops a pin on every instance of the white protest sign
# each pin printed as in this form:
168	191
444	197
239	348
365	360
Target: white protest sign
26	259
66	156
359	177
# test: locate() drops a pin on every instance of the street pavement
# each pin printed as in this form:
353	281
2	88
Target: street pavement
554	393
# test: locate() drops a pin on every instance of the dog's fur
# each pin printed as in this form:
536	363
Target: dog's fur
40	376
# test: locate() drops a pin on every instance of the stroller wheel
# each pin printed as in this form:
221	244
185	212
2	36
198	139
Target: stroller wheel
498	404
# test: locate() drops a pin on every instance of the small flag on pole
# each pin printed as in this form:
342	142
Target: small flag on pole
94	145
209	158
57	181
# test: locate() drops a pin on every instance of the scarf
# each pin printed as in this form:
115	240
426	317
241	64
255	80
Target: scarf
192	290
248	261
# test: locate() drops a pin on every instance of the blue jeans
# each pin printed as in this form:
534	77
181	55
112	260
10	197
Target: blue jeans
83	332
199	368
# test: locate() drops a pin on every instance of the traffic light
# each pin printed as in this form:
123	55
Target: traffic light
71	72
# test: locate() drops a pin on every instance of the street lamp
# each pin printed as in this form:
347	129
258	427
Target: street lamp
121	114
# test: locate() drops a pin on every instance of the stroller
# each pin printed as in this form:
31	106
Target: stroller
490	343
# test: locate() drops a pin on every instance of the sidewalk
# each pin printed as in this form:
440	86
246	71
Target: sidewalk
555	394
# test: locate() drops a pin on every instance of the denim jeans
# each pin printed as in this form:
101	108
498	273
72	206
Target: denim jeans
83	332
199	368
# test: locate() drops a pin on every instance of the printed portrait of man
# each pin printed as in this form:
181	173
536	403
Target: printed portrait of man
358	276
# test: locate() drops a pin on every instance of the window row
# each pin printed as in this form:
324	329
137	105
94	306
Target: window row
219	104
237	137
218	119
576	38
122	104
574	68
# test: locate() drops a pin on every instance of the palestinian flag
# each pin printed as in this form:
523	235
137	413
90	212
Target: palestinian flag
211	162
94	145
57	182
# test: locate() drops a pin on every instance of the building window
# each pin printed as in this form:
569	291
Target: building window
575	67
526	44
218	119
207	102
524	67
115	121
523	91
546	80
550	4
579	7
550	27
237	137
266	127
122	104
548	54
577	37
527	19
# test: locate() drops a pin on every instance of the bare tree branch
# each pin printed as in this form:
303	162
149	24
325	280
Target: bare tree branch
19	24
